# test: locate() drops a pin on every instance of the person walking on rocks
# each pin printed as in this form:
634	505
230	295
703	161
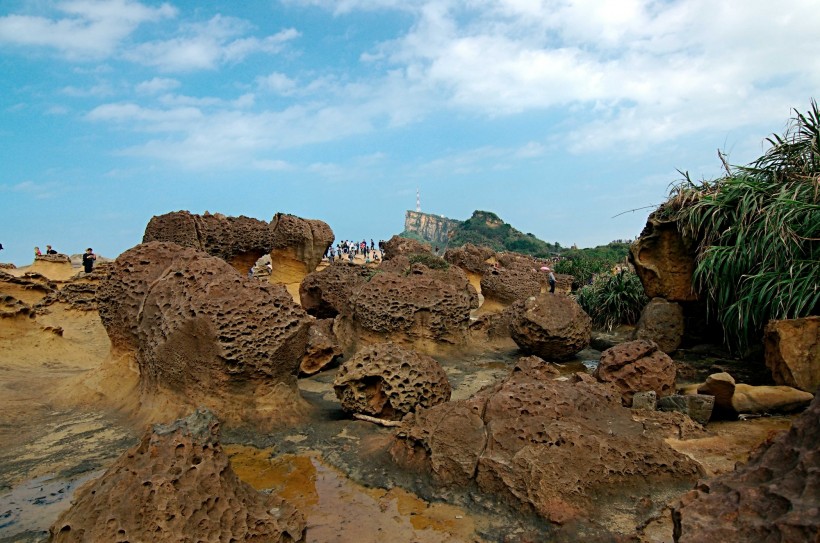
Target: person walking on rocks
550	278
88	260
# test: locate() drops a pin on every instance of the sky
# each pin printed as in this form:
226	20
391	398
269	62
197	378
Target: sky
569	119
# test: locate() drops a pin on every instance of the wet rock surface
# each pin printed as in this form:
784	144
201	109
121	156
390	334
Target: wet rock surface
176	481
552	326
388	381
637	366
773	497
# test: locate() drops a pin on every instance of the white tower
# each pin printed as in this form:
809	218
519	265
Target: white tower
418	200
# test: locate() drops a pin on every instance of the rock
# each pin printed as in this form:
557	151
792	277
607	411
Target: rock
387	381
647	399
661	322
239	241
202	334
551	446
552	326
298	247
322	348
732	399
324	293
434	228
507	285
773	497
397	245
176	485
698	407
59	258
637	366
792	350
664	261
470	258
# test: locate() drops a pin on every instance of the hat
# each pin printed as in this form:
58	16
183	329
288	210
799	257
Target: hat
544	268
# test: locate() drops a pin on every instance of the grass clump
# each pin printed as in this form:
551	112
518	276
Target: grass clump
757	231
431	261
612	300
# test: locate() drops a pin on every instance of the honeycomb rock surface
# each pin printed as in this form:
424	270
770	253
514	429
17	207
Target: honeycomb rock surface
200	330
551	446
326	292
177	485
397	245
552	326
773	497
298	246
322	348
664	261
470	258
637	366
388	381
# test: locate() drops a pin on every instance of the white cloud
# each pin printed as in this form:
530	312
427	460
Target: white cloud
99	90
206	46
157	85
89	29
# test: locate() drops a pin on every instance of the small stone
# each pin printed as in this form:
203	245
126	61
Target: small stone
647	399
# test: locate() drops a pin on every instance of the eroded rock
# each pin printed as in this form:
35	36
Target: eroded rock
732	399
662	322
664	261
326	292
552	326
397	245
298	247
387	381
637	366
792	350
177	484
322	348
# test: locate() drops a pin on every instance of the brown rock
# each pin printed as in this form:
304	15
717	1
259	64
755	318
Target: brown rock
324	293
637	366
298	247
388	381
507	285
664	261
661	322
322	347
773	497
397	245
201	332
792	350
732	399
176	485
552	446
552	326
470	258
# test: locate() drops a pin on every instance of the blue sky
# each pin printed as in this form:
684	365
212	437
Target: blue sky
556	115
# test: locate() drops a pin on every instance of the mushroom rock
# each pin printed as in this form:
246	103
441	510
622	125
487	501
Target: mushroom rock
398	245
177	484
203	334
240	241
664	261
552	326
298	247
565	449
388	381
637	366
773	497
472	259
792	350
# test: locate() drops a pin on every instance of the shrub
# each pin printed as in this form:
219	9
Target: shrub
613	299
431	261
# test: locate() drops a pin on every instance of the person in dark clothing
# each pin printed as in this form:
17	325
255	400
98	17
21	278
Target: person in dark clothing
551	279
88	260
50	251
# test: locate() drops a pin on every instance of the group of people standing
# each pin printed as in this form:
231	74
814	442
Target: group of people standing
349	250
88	256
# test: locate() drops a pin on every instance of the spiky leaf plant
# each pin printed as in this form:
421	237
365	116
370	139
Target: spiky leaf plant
613	299
758	234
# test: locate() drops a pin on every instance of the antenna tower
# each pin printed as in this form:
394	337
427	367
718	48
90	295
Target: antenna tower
418	200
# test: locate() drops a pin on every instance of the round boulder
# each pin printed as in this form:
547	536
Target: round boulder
552	326
662	322
388	381
637	366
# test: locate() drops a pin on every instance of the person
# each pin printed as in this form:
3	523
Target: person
50	251
551	279
1	246
37	252
88	260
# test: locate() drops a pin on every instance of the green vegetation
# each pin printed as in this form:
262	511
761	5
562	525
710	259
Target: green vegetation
758	234
584	264
431	261
613	299
486	228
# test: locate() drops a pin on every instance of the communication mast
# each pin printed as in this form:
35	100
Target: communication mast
418	201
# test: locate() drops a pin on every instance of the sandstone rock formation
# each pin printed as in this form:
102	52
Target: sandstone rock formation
552	326
773	497
176	485
637	366
664	261
419	308
202	334
240	241
388	382
397	245
322	347
792	350
662	322
505	285
551	446
732	399
298	247
326	292
470	258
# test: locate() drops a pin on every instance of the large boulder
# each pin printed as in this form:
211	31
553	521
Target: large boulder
664	261
322	348
239	241
565	449
733	399
662	322
298	247
792	349
470	258
552	326
398	245
388	381
504	285
773	497
326	292
637	366
176	485
203	334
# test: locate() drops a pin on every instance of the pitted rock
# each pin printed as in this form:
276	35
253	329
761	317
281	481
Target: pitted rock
388	381
470	258
637	366
792	349
552	326
664	261
662	322
398	245
324	293
322	347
